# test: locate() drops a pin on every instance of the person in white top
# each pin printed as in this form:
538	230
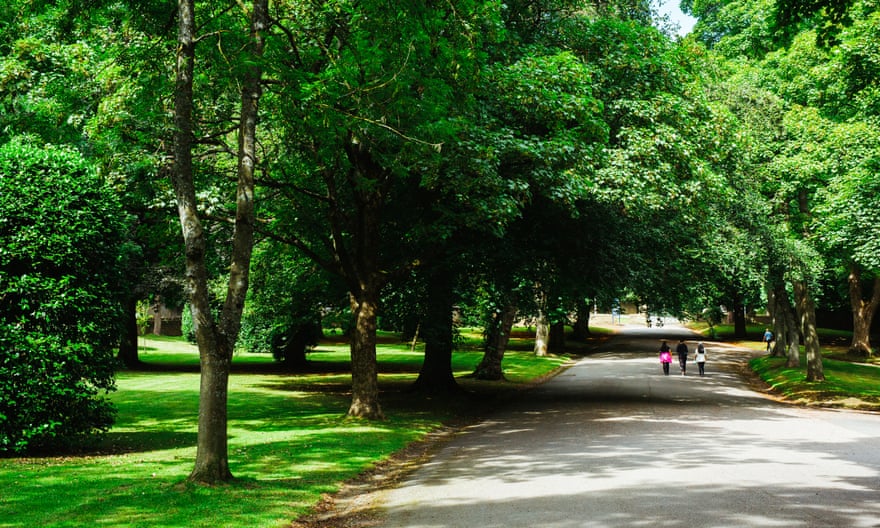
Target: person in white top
700	358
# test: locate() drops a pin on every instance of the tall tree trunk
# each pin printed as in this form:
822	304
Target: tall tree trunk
542	329
785	327
739	316
497	337
542	334
360	264
212	453
157	317
778	320
581	327
806	309
243	233
364	368
542	322
863	311
128	344
366	280
216	341
436	376
556	337
212	463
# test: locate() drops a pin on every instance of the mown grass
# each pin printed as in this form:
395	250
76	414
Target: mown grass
847	384
289	440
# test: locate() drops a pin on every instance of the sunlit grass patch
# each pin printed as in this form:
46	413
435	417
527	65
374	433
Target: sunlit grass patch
846	384
289	440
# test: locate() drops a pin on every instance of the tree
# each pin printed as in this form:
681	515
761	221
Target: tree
830	16
849	224
379	96
795	166
62	258
91	78
846	220
216	338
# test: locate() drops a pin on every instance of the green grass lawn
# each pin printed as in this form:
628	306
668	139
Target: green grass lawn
289	440
847	384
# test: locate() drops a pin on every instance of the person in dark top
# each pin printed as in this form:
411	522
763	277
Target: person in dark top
682	351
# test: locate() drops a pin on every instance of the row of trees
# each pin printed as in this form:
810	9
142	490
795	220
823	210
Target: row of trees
800	76
524	157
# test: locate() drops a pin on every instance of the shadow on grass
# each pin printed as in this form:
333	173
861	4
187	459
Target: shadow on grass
143	441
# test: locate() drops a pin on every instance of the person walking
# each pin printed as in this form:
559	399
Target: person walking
665	357
768	337
700	358
682	351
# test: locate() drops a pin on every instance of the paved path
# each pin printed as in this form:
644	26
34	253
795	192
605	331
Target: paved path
611	442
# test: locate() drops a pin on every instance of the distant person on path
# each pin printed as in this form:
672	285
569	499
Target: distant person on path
682	351
665	357
768	337
700	358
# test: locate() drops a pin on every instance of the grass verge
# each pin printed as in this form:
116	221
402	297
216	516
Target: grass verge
847	384
289	440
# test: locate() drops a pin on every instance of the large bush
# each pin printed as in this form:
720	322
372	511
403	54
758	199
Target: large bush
61	235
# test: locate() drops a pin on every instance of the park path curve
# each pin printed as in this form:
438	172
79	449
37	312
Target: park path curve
611	442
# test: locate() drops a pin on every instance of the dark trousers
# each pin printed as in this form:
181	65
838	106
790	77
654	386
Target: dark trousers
665	368
702	366
682	362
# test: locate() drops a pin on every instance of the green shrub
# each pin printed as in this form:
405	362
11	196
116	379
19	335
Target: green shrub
61	256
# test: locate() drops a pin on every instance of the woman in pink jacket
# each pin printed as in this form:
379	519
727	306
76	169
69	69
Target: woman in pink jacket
665	357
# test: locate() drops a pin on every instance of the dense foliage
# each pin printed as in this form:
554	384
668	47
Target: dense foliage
527	158
61	257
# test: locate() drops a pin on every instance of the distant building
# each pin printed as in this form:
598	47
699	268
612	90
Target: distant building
164	320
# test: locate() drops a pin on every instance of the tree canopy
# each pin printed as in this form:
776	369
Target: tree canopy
526	157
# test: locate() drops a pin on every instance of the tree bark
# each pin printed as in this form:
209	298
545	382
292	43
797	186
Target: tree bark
436	376
212	463
786	328
216	341
863	311
556	337
542	323
497	337
364	368
739	316
362	270
806	309
157	317
542	334
771	310
581	327
778	318
128	344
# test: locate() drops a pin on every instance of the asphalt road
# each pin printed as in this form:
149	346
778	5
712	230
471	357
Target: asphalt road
612	442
